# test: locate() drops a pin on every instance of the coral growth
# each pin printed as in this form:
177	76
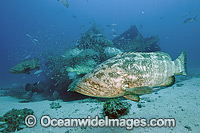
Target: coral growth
115	108
14	120
55	105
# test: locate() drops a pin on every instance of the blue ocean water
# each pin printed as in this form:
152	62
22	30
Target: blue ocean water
55	27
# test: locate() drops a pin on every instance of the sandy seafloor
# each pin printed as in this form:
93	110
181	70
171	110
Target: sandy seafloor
179	102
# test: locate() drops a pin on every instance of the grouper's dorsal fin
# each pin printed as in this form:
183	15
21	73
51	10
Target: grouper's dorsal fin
133	97
169	82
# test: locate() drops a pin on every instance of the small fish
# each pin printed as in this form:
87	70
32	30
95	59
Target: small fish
27	56
113	24
14	84
99	35
113	30
185	14
142	12
38	82
35	40
108	25
38	72
190	19
73	16
65	3
162	17
28	35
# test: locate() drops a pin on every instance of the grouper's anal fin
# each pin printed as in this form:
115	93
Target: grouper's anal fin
169	82
133	97
139	90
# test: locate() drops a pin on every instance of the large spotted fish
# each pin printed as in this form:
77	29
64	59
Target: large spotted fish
25	66
131	75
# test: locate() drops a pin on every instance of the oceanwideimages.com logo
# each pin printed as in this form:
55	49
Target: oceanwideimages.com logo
47	121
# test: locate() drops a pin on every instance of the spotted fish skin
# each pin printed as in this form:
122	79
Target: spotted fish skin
129	70
25	66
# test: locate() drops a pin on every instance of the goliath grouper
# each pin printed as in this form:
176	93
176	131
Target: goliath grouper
26	66
131	75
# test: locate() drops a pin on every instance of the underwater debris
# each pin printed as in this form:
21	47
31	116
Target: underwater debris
14	120
55	105
25	66
87	55
115	108
132	41
95	40
34	88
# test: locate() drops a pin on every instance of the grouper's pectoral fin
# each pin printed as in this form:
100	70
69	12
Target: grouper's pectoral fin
139	90
133	97
169	82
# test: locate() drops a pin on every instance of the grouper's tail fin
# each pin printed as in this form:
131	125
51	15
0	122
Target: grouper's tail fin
180	64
